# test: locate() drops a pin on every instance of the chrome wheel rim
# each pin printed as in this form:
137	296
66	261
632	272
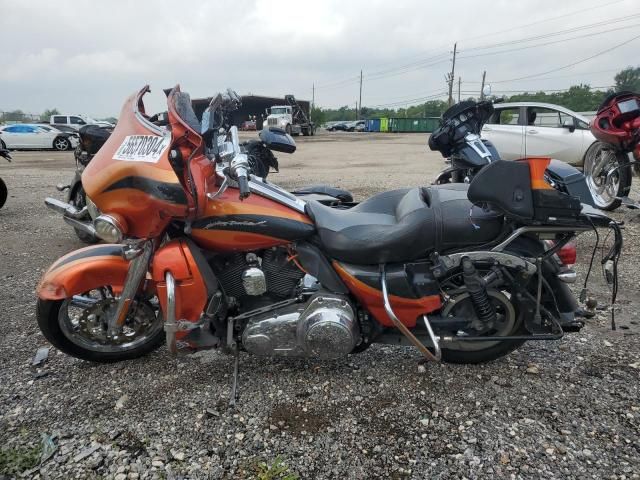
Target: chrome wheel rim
603	176
83	320
60	144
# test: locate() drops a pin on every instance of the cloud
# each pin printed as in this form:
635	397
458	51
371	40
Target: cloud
88	56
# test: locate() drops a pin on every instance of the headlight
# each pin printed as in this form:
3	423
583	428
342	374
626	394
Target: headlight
109	229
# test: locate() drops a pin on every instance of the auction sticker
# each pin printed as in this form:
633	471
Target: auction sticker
142	148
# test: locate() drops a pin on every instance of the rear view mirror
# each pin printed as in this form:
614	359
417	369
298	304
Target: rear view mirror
569	124
277	140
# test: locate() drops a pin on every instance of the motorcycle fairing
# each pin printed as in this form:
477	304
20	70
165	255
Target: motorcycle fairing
83	270
146	193
178	258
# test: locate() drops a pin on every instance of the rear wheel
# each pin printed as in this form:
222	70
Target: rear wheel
4	193
608	175
78	327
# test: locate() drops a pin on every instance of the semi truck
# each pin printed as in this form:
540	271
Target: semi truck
290	117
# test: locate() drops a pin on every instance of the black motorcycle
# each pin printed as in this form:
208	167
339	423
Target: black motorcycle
458	140
4	193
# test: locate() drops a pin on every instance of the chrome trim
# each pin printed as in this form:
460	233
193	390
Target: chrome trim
66	209
568	276
170	324
276	193
475	142
522	230
138	268
85	227
433	338
403	328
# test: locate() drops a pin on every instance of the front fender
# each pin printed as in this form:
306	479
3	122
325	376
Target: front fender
83	270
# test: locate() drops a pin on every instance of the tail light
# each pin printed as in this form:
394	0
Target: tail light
567	254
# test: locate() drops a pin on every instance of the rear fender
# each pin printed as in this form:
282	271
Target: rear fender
83	270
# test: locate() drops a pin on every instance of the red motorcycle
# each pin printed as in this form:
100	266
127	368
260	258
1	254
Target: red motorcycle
204	255
617	126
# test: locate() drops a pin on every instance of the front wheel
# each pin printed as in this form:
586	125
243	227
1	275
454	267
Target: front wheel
78	327
61	144
608	175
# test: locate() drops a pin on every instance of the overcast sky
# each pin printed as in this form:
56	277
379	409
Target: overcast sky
86	57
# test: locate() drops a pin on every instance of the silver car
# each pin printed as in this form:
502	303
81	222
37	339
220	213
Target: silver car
523	129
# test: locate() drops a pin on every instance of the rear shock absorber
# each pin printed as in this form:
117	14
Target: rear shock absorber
478	292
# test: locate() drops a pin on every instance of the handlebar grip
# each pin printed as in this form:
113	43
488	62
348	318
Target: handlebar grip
243	185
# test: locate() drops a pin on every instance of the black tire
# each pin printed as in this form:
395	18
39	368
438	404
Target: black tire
78	200
624	173
305	132
523	247
3	146
490	354
4	193
312	131
47	312
61	144
288	129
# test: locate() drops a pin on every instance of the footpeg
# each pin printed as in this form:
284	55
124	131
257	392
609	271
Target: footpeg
437	355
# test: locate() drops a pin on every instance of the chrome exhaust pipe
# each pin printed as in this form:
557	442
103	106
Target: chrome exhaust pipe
84	227
66	209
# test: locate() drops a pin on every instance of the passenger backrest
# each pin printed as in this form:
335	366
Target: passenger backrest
504	186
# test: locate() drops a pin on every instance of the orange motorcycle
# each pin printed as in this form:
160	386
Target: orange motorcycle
203	254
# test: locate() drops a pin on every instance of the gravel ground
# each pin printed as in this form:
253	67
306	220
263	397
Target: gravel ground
565	409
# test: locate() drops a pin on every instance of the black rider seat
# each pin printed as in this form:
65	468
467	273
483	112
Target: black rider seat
404	225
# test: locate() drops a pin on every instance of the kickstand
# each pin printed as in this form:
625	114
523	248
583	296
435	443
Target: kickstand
234	384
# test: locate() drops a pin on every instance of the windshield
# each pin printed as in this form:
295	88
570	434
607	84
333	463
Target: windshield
278	110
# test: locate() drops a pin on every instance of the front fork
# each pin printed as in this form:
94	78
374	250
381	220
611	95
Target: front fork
140	256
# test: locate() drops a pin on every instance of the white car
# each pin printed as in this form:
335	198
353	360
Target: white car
523	129
538	129
34	136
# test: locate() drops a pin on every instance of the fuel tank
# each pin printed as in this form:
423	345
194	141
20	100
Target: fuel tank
230	224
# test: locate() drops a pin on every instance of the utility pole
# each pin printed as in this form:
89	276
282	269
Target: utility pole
356	110
459	84
313	100
452	74
360	102
484	74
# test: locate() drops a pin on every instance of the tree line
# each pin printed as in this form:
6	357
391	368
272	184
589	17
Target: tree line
579	98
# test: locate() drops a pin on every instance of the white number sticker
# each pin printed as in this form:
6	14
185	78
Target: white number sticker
142	148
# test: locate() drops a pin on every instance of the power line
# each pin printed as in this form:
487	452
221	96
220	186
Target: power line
563	67
556	33
544	20
552	42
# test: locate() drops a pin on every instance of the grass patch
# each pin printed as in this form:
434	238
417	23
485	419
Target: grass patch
276	471
16	460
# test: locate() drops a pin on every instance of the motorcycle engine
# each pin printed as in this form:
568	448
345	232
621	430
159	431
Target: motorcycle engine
322	327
